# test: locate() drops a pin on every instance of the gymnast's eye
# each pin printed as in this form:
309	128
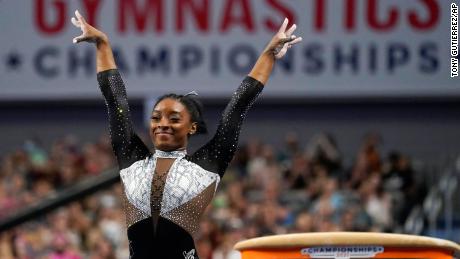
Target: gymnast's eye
155	118
174	119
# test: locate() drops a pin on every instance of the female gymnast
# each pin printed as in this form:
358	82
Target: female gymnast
166	191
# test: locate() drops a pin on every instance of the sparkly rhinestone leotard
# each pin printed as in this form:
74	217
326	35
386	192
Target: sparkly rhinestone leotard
165	193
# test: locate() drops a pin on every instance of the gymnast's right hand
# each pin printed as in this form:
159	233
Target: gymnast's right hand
89	33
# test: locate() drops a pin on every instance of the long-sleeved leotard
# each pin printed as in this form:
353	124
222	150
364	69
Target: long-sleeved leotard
163	209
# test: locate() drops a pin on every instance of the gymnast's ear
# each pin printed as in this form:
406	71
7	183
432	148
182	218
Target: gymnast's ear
193	128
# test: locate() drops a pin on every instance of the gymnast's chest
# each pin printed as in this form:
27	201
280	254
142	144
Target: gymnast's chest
184	181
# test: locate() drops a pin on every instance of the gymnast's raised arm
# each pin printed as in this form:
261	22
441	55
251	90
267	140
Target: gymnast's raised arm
218	152
276	48
127	146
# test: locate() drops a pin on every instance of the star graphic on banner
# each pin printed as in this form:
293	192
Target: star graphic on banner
13	61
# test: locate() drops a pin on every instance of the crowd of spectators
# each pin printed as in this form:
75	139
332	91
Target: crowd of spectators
301	187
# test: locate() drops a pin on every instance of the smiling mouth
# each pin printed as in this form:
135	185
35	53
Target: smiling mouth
163	133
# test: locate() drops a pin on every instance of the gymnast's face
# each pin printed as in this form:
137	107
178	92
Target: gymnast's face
170	125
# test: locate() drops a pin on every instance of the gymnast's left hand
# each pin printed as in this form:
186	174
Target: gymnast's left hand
283	40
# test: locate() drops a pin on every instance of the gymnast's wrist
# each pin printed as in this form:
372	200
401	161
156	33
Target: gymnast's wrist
102	41
269	53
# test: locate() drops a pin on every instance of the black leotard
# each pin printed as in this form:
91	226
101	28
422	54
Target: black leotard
163	210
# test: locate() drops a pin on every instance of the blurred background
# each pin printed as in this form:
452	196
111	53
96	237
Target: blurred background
357	129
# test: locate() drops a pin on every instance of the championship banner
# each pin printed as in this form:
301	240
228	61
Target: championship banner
350	48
